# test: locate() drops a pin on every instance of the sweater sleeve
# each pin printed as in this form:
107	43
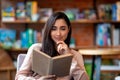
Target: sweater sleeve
25	72
78	71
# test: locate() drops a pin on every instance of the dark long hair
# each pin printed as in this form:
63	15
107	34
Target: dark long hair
48	45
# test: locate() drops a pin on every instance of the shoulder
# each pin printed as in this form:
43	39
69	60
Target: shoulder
30	50
34	46
75	53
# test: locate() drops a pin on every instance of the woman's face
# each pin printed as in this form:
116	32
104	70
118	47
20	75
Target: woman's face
59	30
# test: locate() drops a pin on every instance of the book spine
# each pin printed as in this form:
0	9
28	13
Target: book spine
34	8
114	12
50	67
28	10
118	10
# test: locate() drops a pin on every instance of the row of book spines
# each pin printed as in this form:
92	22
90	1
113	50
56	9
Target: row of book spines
109	11
110	37
31	8
29	37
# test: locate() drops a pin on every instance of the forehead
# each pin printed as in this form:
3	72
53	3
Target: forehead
60	22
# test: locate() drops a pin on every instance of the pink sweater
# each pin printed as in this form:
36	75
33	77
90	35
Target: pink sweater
77	70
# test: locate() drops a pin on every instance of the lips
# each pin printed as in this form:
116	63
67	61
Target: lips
58	38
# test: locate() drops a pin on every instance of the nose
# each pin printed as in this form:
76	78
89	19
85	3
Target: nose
58	32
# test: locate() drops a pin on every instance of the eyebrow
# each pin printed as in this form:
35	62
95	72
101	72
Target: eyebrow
63	26
60	26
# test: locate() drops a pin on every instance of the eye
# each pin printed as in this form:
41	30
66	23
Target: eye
63	28
54	28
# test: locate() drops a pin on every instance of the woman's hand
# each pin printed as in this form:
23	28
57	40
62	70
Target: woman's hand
62	47
48	77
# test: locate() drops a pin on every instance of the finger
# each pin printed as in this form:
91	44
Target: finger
49	76
60	42
63	47
61	50
58	48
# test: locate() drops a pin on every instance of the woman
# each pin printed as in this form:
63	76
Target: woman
56	40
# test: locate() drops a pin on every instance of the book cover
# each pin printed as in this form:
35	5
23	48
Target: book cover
43	64
103	37
7	37
116	36
114	12
45	13
24	39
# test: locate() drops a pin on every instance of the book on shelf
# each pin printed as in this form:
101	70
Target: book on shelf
116	37
114	12
20	11
7	37
31	9
29	37
43	64
118	10
103	11
8	13
45	13
103	34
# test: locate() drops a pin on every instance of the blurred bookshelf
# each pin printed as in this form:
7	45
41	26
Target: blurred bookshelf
84	26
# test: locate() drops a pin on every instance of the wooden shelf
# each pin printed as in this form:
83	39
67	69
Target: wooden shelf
100	51
18	21
76	48
95	21
7	68
110	68
17	50
77	21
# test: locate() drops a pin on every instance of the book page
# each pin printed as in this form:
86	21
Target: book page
43	64
40	62
61	65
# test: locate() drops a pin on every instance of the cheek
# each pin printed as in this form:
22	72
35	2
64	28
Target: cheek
52	36
65	35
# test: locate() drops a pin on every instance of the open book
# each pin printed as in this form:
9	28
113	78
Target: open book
43	64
